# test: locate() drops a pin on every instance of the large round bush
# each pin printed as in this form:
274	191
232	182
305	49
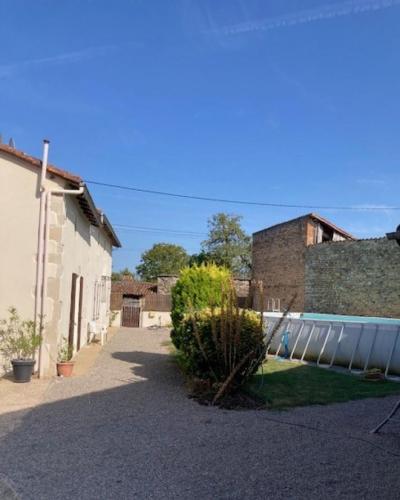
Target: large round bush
198	288
221	344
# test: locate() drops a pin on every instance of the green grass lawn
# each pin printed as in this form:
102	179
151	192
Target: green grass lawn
284	384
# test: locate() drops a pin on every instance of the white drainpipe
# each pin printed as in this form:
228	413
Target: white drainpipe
39	265
44	227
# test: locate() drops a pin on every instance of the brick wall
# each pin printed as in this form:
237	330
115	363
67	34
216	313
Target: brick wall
353	277
279	261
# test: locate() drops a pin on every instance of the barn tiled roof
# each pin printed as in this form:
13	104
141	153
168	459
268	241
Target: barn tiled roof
129	286
38	163
312	216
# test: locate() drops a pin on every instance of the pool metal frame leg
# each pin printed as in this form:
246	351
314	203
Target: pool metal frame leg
392	351
353	354
297	340
308	341
371	348
337	345
324	344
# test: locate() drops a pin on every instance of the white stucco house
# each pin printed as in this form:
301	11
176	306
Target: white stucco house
55	253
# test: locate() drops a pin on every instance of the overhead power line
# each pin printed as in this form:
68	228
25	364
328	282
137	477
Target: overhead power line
241	202
177	232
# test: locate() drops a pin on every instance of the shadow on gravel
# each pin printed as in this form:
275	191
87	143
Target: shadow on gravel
94	445
154	368
143	438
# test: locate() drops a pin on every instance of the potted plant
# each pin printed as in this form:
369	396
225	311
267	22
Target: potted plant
19	341
64	363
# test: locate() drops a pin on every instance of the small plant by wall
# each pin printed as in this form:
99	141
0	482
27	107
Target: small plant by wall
19	339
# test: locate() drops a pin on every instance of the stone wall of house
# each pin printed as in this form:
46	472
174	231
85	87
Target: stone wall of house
353	277
165	284
242	287
278	260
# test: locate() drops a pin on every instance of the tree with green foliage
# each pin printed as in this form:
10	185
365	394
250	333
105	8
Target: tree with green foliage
162	258
227	244
198	287
197	259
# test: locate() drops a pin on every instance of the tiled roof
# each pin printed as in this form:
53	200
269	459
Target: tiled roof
316	217
38	163
330	224
133	287
129	287
85	200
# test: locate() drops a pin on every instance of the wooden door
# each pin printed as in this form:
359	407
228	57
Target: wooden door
130	316
72	312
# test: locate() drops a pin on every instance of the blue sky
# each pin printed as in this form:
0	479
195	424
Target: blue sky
282	101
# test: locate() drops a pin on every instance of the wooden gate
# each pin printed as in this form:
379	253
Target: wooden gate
130	316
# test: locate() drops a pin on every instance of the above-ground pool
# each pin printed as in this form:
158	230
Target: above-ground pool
355	342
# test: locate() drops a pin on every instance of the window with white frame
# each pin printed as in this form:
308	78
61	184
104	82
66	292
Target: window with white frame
96	300
105	288
102	290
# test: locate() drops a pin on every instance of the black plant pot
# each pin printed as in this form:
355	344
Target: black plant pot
23	369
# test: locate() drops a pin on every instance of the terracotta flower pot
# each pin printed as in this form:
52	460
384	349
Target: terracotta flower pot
65	368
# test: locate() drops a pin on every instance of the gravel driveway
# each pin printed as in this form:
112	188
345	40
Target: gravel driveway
127	430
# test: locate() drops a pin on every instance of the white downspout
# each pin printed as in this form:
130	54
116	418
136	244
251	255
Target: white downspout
47	194
39	264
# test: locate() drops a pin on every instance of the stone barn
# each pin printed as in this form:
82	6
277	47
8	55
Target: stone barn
326	269
279	256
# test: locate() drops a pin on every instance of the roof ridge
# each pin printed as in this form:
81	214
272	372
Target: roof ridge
38	163
72	178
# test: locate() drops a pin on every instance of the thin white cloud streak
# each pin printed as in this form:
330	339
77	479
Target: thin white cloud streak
328	11
8	70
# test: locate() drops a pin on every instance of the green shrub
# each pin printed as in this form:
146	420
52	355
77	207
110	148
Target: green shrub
198	287
223	346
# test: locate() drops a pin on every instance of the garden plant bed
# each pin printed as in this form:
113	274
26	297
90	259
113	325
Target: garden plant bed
285	384
238	400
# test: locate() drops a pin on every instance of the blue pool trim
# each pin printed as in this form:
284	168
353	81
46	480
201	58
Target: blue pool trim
350	319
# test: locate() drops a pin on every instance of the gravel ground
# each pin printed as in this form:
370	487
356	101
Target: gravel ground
127	430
